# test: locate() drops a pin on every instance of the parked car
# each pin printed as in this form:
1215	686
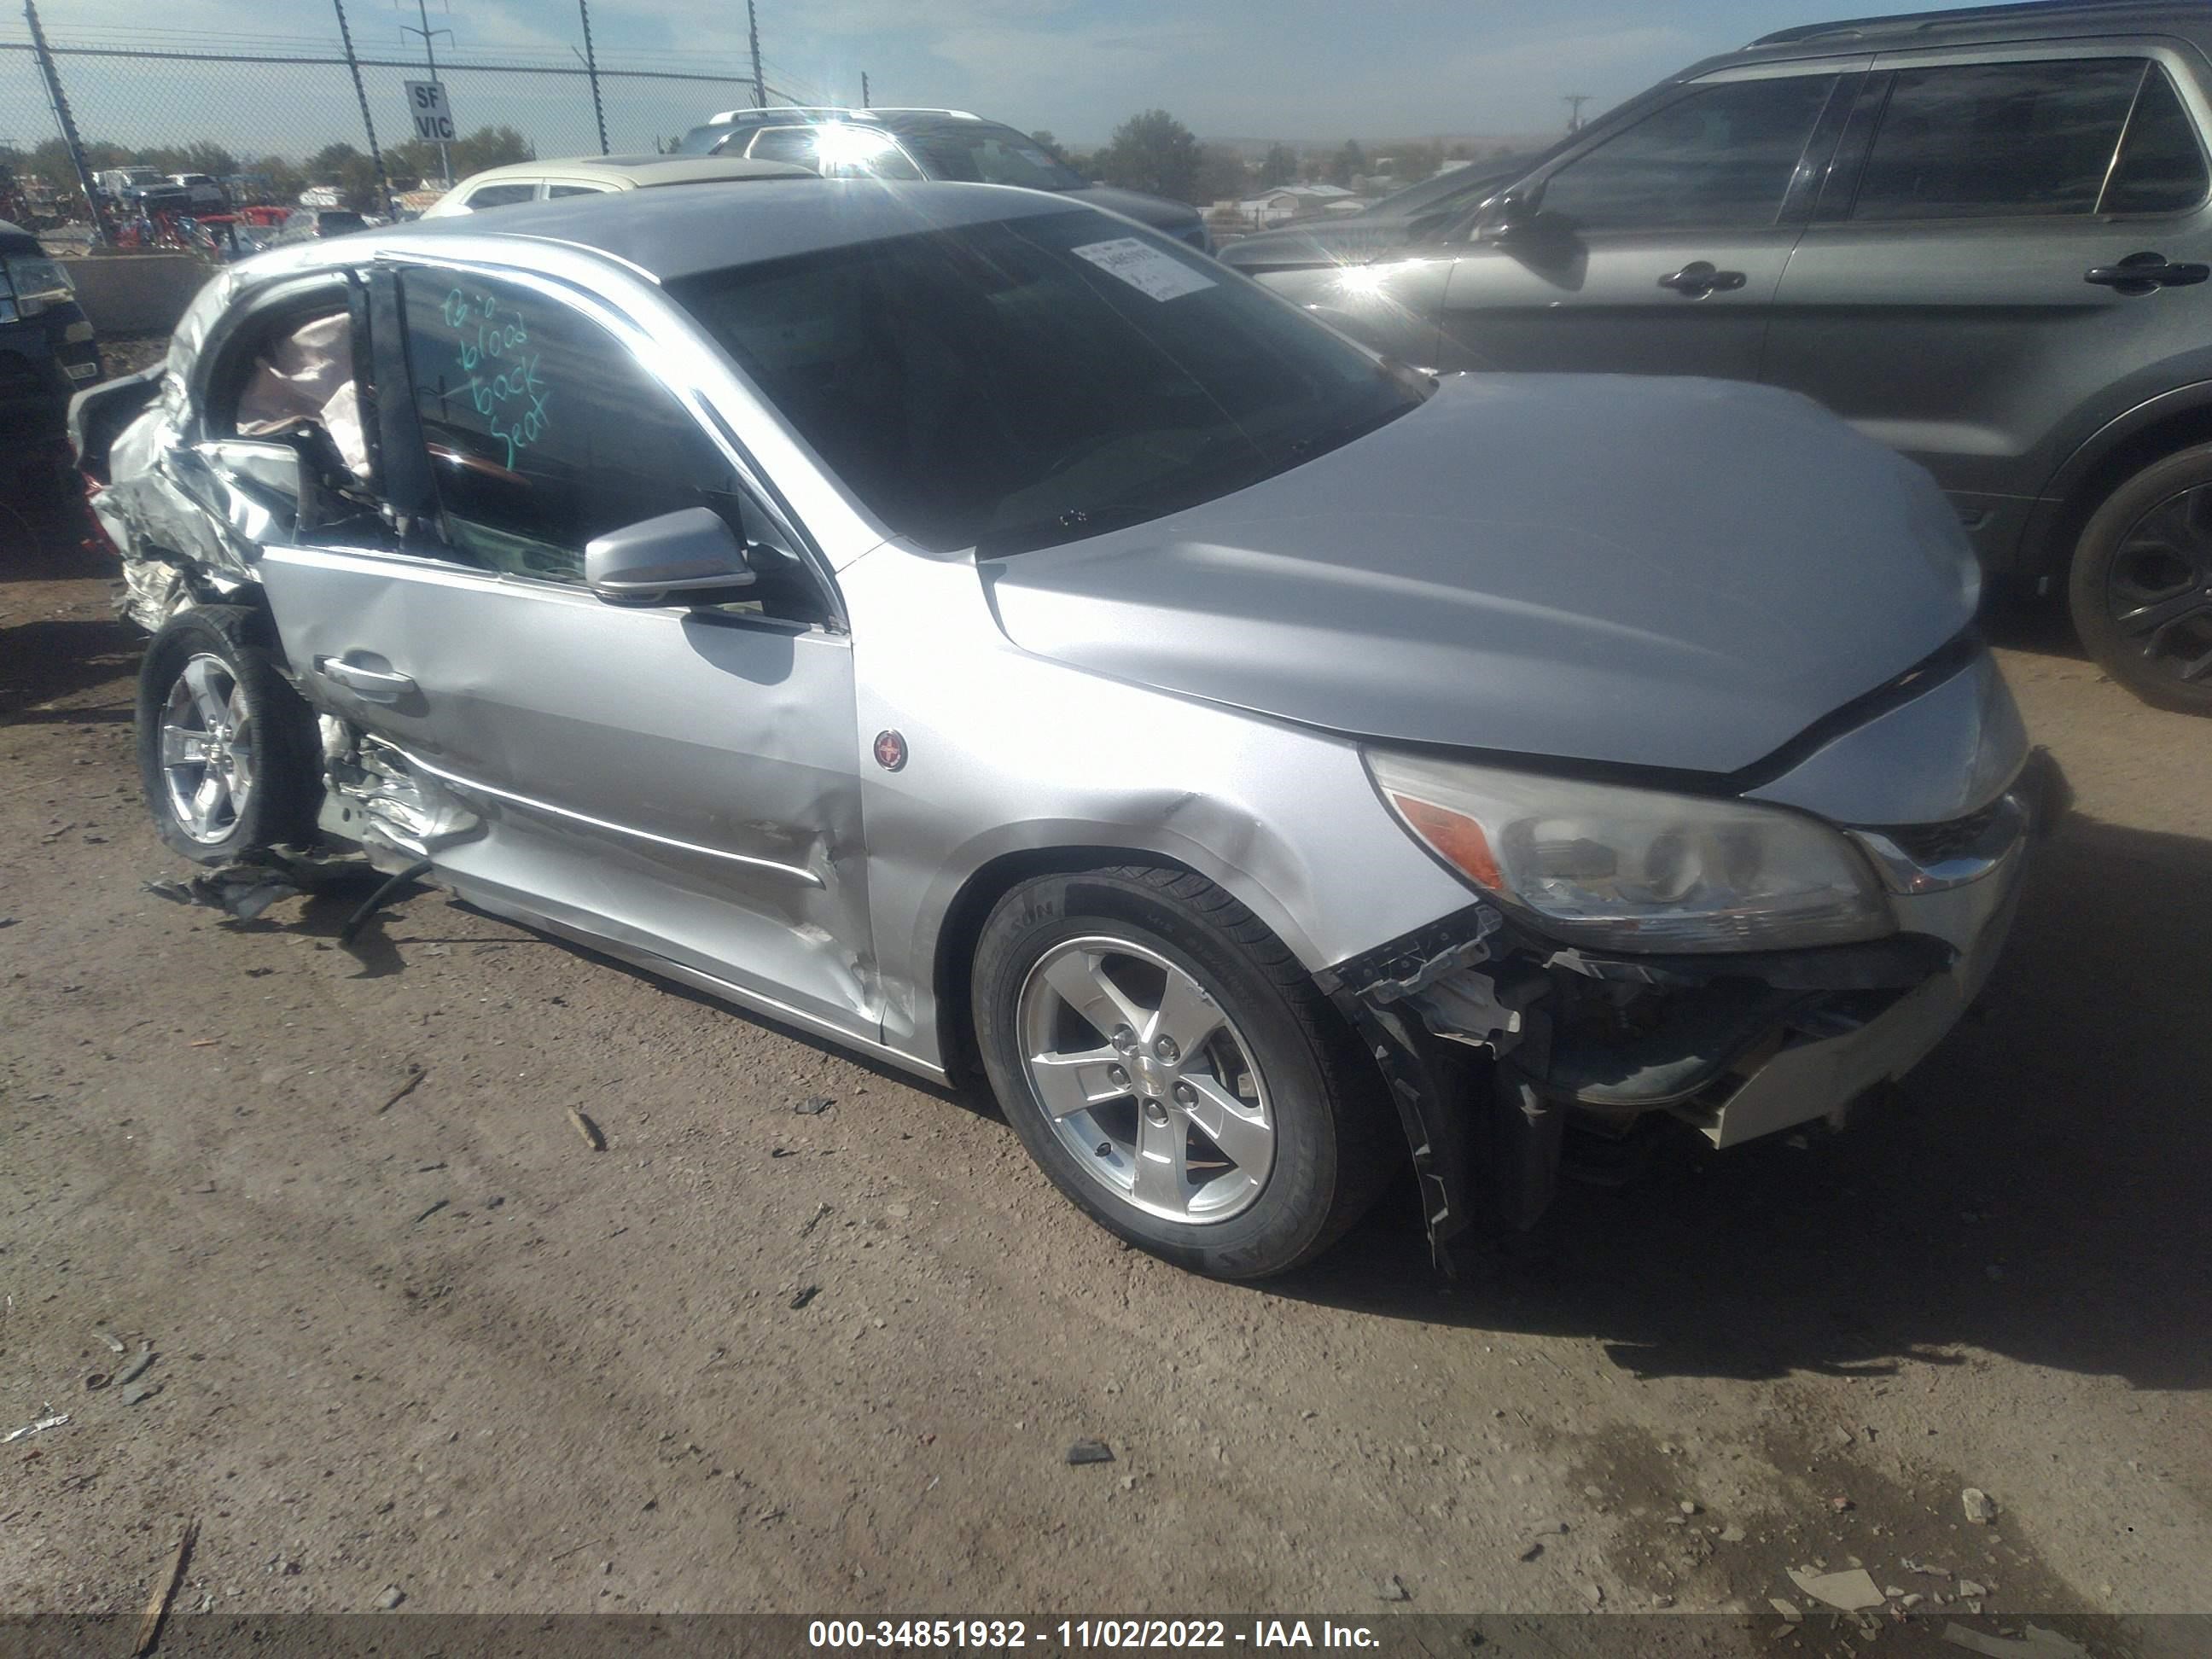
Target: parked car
962	625
308	224
47	352
204	194
1981	236
1415	217
122	184
927	143
595	175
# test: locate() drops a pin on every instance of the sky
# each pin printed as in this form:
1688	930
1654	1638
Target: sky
1306	70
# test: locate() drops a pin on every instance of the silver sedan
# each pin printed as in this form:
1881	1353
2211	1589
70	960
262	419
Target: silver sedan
965	626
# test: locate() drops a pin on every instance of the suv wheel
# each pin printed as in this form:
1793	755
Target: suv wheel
2141	588
1169	1065
228	754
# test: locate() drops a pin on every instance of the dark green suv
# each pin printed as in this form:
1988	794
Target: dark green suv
1981	236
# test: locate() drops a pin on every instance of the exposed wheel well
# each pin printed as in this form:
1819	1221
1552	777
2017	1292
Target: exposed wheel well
2168	436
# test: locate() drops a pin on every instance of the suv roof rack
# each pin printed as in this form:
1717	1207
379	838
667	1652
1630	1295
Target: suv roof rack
1913	21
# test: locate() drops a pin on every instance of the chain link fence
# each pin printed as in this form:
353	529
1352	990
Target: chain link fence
267	120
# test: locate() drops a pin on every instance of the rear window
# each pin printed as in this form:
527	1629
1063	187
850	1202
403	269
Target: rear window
1992	140
506	195
1013	384
2161	165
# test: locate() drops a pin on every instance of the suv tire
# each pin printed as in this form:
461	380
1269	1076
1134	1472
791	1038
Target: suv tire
2141	586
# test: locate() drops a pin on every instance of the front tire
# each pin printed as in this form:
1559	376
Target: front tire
227	755
1173	1069
2141	585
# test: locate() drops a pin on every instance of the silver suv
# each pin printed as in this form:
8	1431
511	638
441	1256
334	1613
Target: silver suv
1980	236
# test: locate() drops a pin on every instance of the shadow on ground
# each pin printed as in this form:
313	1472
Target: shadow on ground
2039	1189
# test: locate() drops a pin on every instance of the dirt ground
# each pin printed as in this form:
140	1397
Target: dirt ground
445	1346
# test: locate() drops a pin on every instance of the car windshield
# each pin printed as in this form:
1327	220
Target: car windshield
1024	382
984	152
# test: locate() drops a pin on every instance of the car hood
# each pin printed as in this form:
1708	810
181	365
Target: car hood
1135	204
1677	574
1354	240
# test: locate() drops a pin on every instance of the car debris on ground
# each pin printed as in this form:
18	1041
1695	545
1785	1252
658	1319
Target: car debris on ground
594	1137
53	1420
1854	1591
1981	1509
157	1607
1090	1451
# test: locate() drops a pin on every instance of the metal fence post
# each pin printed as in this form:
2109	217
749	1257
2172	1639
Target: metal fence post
369	126
67	123
591	68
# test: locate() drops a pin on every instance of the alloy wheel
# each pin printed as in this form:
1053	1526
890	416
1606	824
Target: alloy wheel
1146	1079
207	749
2158	590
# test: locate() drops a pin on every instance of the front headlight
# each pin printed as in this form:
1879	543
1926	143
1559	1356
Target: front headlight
1626	869
37	282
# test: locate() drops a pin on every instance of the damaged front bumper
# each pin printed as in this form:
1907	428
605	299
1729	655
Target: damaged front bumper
1490	1035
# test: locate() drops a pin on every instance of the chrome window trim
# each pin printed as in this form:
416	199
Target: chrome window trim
460	782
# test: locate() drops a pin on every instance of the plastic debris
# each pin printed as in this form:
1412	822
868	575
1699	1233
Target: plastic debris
393	1596
1981	1509
131	1370
1848	1592
814	1106
114	1343
1787	1609
131	1394
1392	1589
1090	1451
53	1420
2037	1643
590	1131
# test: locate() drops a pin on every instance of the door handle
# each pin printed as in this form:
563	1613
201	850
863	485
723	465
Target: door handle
2145	273
1698	278
369	685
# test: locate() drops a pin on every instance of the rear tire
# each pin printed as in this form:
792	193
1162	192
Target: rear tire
1247	1156
2141	586
229	756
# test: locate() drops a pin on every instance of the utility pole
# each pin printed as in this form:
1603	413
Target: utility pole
591	68
1574	101
864	104
369	126
760	82
67	123
422	8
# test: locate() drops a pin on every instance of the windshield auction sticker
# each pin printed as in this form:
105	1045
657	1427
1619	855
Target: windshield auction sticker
1144	268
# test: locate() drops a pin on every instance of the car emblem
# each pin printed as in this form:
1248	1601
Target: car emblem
890	750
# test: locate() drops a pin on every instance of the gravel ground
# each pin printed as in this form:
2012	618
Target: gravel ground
742	1359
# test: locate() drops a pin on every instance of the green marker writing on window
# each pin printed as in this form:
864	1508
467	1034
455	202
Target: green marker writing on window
512	400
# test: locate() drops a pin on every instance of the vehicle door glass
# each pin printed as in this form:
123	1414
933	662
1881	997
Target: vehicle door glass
553	191
545	432
793	144
2161	164
1966	141
492	195
1721	157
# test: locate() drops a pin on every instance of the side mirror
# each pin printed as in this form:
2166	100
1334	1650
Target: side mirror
686	556
1511	215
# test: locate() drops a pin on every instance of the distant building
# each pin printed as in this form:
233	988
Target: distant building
1288	202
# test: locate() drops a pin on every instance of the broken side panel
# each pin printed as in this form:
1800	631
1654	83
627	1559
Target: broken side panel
683	783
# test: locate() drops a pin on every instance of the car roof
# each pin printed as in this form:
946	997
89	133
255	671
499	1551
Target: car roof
804	115
672	235
636	171
2037	20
